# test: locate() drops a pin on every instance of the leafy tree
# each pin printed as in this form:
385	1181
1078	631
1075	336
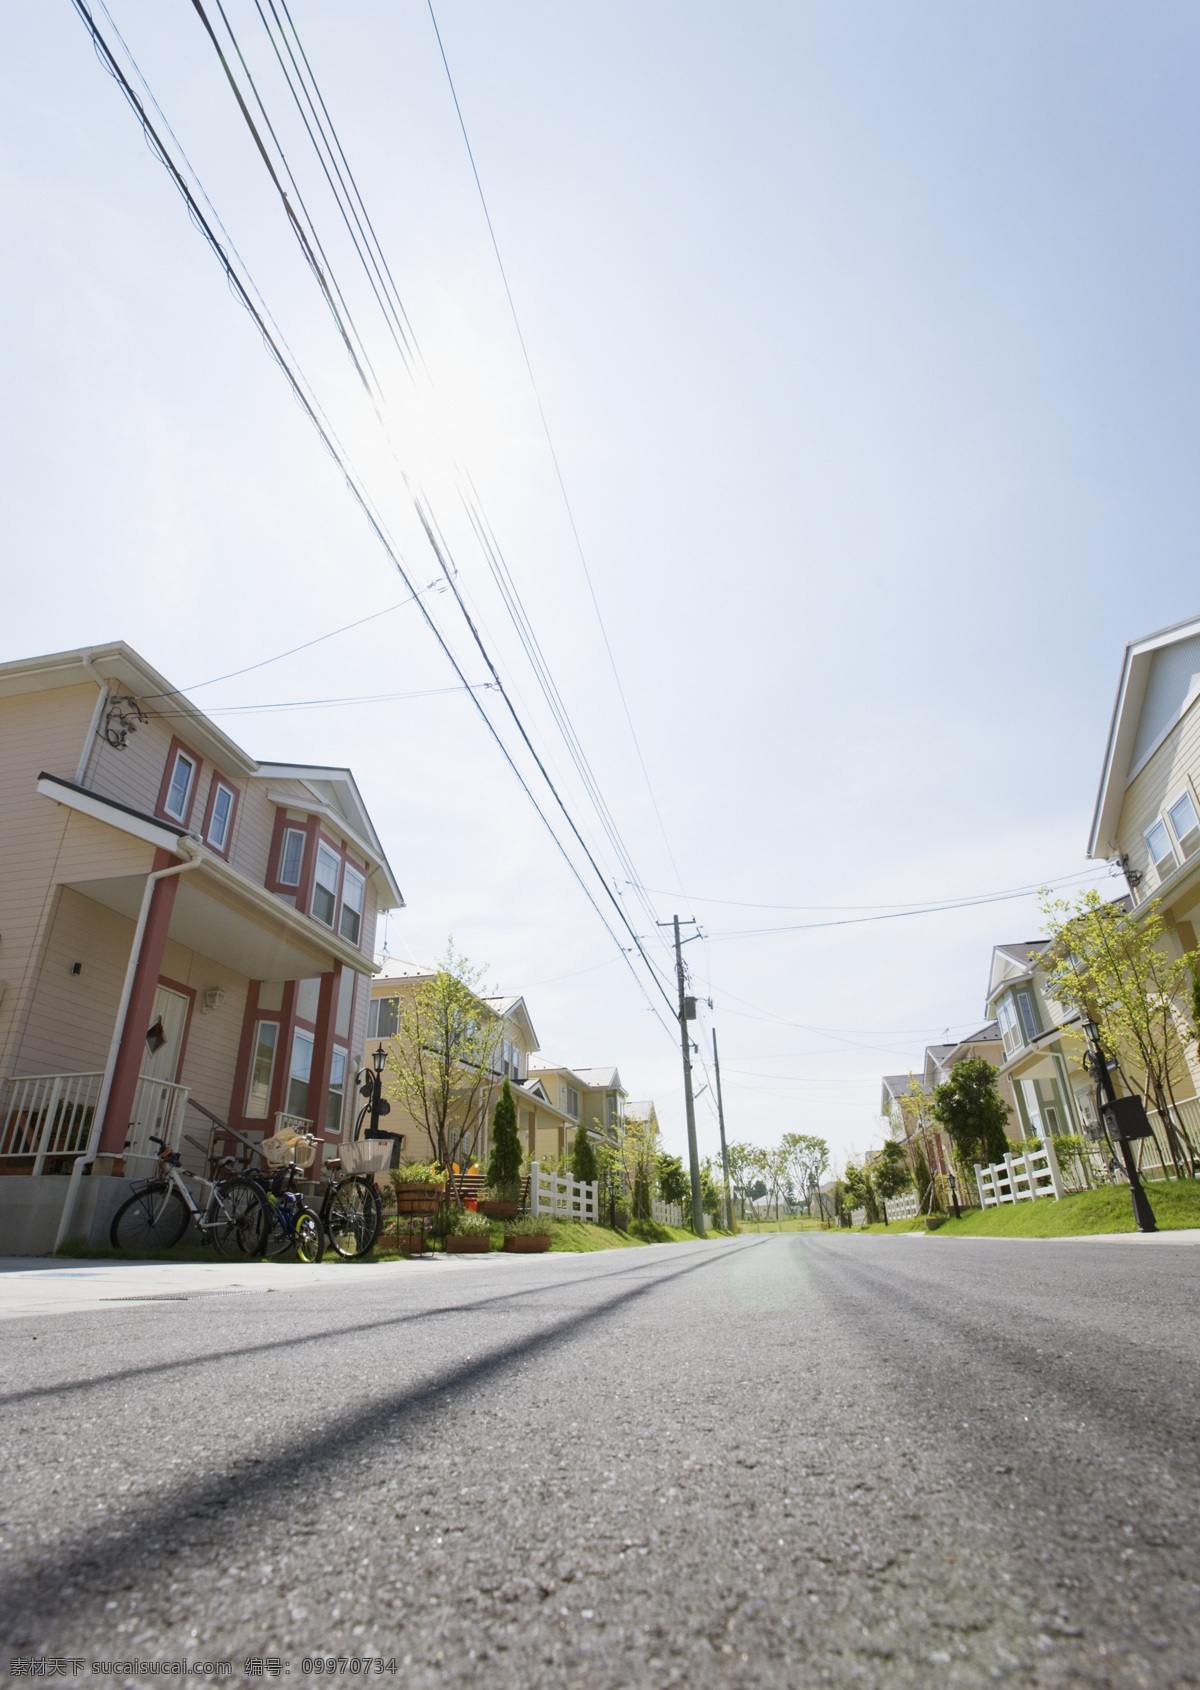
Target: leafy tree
1113	966
859	1189
890	1173
712	1197
583	1156
807	1159
969	1106
442	1059
741	1171
674	1183
504	1164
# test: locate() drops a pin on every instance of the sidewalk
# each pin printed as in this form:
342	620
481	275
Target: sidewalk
42	1285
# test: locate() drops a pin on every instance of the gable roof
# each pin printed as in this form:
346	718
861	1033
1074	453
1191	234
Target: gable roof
600	1079
1160	679
514	1009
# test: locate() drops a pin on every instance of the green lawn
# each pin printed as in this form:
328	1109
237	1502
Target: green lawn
1176	1204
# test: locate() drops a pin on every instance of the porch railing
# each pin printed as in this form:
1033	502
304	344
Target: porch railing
285	1123
50	1116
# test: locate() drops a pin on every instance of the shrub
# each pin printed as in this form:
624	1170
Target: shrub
650	1232
464	1223
583	1158
504	1164
529	1226
418	1173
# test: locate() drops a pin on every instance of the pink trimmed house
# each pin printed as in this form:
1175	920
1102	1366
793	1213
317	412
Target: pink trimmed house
180	926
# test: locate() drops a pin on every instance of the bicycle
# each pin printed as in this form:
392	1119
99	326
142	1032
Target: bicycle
235	1217
294	1224
351	1211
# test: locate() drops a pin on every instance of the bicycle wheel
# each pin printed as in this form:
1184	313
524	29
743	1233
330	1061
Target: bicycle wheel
152	1220
353	1215
279	1234
309	1236
241	1220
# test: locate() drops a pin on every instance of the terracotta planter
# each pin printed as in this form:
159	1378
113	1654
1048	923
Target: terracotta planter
621	1220
414	1198
411	1243
498	1210
474	1241
523	1243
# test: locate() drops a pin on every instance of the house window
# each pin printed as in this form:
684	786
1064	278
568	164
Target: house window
1158	842
291	856
299	1075
1010	1030
337	1094
262	1069
353	889
570	1101
1028	1018
1183	821
325	891
221	816
180	789
612	1113
383	1018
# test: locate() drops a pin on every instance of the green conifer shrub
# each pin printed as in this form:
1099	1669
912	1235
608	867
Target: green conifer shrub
504	1164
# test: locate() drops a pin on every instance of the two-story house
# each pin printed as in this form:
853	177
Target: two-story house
179	924
1051	1089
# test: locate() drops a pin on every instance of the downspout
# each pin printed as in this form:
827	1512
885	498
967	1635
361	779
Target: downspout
191	850
93	728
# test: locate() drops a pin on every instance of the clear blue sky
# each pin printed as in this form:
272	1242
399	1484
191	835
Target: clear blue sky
867	334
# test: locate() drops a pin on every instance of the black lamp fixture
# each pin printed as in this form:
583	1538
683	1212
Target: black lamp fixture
1115	1120
379	1058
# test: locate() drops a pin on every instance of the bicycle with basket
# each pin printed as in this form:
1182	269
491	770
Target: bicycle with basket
235	1216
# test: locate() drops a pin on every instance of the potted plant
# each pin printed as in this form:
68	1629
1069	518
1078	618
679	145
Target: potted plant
528	1233
418	1187
501	1196
464	1230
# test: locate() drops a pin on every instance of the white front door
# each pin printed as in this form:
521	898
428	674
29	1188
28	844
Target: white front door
170	1015
157	1111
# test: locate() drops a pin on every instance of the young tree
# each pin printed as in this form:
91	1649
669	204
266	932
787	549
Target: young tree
504	1164
1114	967
443	1057
741	1171
636	1161
583	1156
674	1184
890	1173
807	1161
858	1187
969	1106
712	1197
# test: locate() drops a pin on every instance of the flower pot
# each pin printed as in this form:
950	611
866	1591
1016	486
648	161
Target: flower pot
932	1222
458	1245
498	1210
416	1198
621	1220
411	1243
523	1243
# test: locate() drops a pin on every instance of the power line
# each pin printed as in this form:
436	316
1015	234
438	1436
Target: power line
932	903
359	495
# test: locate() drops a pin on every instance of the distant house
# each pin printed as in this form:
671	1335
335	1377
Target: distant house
179	923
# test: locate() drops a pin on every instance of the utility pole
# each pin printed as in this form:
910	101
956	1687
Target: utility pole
721	1120
687	1012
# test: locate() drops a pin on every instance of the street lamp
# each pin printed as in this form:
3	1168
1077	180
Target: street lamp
1115	1120
378	1104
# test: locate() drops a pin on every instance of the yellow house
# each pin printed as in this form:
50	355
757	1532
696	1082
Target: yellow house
179	924
551	1102
1052	1091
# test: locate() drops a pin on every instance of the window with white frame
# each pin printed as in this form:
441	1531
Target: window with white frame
262	1069
337	1094
569	1101
1184	823
353	891
383	1018
180	789
325	887
291	856
1158	843
221	816
299	1075
1010	1027
1028	1016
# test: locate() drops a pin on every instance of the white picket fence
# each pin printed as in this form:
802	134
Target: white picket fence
906	1207
666	1214
562	1195
1022	1178
858	1217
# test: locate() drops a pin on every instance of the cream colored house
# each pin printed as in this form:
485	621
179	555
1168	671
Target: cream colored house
1052	1091
179	924
551	1101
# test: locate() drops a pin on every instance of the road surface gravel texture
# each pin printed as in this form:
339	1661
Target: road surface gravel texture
779	1461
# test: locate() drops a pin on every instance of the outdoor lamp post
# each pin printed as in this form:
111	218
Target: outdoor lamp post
954	1197
1098	1063
378	1103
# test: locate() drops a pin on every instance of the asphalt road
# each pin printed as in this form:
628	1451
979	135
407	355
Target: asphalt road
777	1461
